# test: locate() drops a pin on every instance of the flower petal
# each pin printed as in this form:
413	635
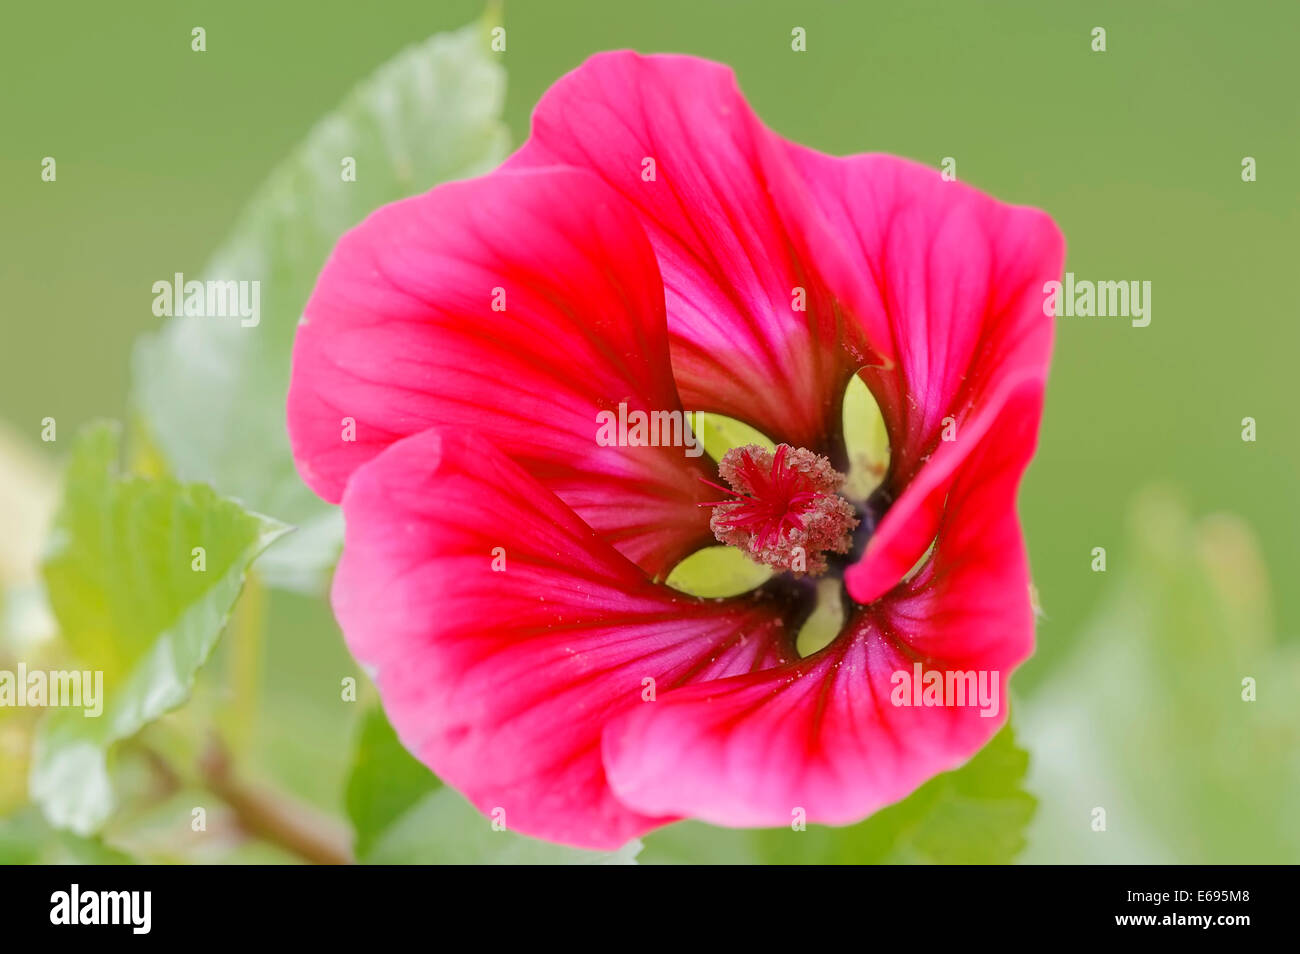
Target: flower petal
516	306
824	734
741	345
501	679
956	275
911	523
958	278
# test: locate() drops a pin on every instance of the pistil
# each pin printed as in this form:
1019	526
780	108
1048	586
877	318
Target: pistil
784	508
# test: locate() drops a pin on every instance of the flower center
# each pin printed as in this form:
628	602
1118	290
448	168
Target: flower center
784	509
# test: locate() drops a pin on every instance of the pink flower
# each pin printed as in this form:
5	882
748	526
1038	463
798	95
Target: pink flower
502	570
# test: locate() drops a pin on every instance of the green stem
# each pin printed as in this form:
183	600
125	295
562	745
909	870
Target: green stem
245	672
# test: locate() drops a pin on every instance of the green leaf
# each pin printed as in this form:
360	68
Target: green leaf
443	828
137	602
26	839
976	814
386	780
430	115
404	815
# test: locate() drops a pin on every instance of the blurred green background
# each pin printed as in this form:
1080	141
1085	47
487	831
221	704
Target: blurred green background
1136	152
